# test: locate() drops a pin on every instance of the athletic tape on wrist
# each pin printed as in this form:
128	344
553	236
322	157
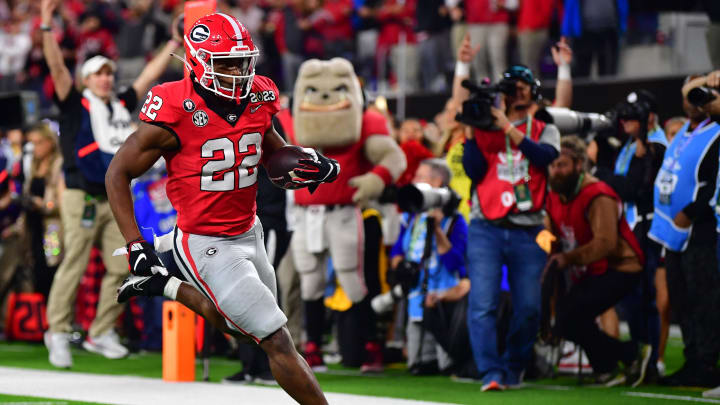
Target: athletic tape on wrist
171	288
564	72
462	69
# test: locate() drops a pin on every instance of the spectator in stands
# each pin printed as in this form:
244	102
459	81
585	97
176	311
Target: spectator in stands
451	146
636	166
595	27
603	259
312	22
487	24
11	147
93	124
337	29
93	36
507	165
533	26
684	223
411	142
15	45
133	41
713	33
433	36
43	190
248	12
285	23
10	237
366	32
445	278
672	126
397	42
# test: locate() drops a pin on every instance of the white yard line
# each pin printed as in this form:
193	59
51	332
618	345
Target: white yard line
675	397
129	390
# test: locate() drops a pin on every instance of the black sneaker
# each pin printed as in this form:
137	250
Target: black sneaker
696	376
676	378
151	286
637	370
610	379
238	378
265	378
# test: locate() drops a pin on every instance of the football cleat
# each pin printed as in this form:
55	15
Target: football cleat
149	286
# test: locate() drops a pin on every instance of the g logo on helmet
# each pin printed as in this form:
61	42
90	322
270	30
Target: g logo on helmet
200	33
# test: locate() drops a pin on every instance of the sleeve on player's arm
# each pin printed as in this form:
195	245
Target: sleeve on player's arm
270	93
274	105
158	109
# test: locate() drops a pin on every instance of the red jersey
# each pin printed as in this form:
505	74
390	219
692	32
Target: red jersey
352	162
212	177
570	222
496	190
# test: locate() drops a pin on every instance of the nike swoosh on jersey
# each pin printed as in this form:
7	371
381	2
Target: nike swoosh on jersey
141	256
253	109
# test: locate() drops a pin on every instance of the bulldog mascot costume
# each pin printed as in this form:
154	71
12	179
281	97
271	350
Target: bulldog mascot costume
328	114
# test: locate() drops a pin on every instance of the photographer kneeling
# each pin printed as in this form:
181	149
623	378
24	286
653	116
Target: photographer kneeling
603	259
430	277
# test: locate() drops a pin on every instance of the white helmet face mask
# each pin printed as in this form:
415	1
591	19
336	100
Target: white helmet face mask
239	64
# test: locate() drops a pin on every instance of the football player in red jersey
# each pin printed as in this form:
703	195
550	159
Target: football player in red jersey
213	128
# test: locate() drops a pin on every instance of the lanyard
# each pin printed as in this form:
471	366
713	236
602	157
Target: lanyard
684	141
579	184
508	149
626	155
416	231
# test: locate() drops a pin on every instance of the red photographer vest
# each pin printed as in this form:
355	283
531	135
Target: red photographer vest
571	226
495	192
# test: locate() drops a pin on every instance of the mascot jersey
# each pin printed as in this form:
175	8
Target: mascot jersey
212	176
352	163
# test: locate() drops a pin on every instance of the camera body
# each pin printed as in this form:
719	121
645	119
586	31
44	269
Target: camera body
476	109
405	276
699	96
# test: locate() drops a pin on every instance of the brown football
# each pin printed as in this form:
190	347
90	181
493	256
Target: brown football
281	164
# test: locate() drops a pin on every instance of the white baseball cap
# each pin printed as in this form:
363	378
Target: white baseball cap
94	64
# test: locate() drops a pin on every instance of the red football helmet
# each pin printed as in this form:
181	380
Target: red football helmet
220	42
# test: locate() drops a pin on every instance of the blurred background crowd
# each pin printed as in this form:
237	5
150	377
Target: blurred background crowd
407	48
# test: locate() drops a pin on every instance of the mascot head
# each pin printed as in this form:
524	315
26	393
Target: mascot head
327	104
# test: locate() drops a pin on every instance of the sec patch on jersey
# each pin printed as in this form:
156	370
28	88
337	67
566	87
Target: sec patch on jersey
282	163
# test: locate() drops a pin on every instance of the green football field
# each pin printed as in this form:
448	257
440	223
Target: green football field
395	382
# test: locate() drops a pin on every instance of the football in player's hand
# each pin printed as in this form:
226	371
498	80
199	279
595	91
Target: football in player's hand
281	165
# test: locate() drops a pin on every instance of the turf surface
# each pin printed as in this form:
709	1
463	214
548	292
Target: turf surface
394	382
17	400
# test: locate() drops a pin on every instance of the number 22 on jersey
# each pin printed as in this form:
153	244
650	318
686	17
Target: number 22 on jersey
219	174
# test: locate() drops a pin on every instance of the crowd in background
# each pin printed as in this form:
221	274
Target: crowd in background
392	39
387	40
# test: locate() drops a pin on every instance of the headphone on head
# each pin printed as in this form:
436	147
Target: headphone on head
523	73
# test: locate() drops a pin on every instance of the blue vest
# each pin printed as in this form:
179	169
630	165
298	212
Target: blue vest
676	184
153	211
622	165
439	278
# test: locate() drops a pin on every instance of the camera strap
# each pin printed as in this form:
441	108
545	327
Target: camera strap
523	199
508	148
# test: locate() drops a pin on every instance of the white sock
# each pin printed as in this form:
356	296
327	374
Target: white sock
171	288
